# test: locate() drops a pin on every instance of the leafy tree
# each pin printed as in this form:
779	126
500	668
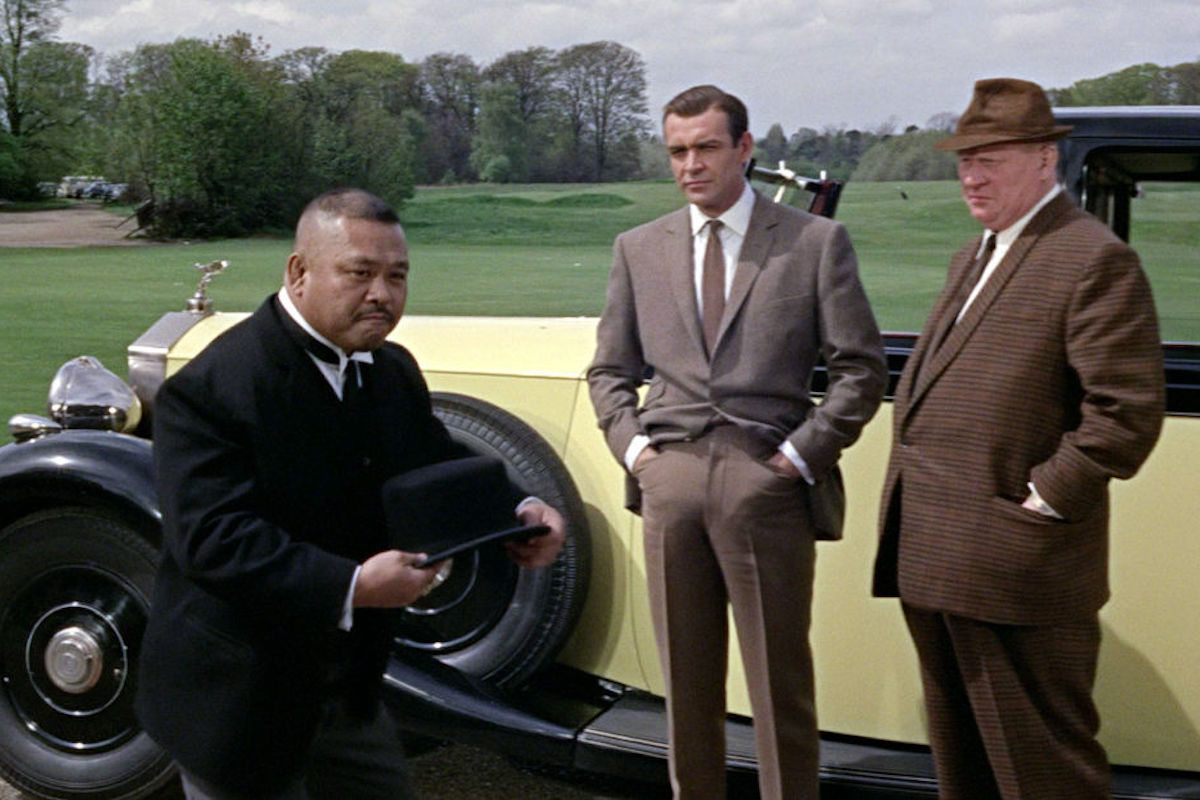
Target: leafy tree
43	90
10	166
359	79
1185	79
56	98
774	147
302	66
499	153
127	125
451	91
652	158
909	157
26	24
603	100
944	121
529	75
1143	84
354	105
1139	85
221	161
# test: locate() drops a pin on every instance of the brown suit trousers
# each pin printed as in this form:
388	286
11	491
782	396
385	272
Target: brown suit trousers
1002	697
722	528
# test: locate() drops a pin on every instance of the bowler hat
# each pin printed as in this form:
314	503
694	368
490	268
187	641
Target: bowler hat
450	507
1004	110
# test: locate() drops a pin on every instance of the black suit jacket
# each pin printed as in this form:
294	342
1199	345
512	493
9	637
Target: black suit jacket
270	497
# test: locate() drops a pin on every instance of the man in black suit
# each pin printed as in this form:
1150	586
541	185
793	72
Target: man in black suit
267	639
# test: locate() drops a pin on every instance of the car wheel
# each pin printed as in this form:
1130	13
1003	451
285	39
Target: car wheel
74	593
491	619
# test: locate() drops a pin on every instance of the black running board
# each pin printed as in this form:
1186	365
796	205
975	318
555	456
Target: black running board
577	722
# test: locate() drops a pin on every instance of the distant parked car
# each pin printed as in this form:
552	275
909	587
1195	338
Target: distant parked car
90	187
103	190
73	186
559	665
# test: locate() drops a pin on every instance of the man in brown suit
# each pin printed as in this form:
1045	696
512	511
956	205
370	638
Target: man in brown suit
1034	383
728	443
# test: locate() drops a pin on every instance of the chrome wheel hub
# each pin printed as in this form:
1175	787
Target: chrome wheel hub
74	660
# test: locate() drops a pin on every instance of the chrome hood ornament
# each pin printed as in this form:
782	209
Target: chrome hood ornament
200	303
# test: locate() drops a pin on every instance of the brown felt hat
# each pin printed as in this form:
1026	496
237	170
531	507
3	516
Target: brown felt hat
1004	110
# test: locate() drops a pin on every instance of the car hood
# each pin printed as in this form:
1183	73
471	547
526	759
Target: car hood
553	347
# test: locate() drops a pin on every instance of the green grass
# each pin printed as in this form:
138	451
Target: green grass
539	250
1165	230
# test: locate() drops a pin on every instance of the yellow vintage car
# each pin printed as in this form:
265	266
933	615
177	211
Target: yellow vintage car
559	666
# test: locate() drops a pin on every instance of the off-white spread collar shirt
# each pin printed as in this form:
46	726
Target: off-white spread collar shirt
735	221
1004	240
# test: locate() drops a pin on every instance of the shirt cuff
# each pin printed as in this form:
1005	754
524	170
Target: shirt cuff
1039	504
347	621
789	452
636	446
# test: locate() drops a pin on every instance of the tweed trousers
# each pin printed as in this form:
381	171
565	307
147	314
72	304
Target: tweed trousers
722	529
1010	707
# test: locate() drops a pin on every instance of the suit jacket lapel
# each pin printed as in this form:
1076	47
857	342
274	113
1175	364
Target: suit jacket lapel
677	260
920	377
302	382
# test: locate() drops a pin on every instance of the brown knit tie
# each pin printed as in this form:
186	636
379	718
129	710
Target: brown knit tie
712	285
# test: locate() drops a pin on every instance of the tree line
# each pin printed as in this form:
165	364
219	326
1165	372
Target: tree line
224	138
222	135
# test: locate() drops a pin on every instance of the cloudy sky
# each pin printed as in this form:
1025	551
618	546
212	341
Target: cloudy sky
797	62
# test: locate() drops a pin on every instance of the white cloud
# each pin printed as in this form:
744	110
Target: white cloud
272	11
815	63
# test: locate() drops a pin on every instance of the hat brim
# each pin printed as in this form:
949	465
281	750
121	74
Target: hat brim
451	506
969	141
451	547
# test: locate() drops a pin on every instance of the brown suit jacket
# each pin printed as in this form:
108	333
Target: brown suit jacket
795	296
1055	375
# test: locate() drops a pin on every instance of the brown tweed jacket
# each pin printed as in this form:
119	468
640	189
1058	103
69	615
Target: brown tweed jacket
1054	375
795	296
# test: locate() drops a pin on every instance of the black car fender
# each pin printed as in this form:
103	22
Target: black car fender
81	468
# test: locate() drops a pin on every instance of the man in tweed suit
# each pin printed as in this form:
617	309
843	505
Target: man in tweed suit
727	440
1034	383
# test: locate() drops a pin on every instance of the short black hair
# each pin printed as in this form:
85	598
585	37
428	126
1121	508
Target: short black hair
698	99
353	203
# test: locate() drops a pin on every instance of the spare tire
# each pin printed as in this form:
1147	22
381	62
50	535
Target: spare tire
491	619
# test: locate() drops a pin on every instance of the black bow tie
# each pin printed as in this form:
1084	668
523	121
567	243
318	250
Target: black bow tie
322	352
318	349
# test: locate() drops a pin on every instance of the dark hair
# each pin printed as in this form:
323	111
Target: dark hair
353	203
698	99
